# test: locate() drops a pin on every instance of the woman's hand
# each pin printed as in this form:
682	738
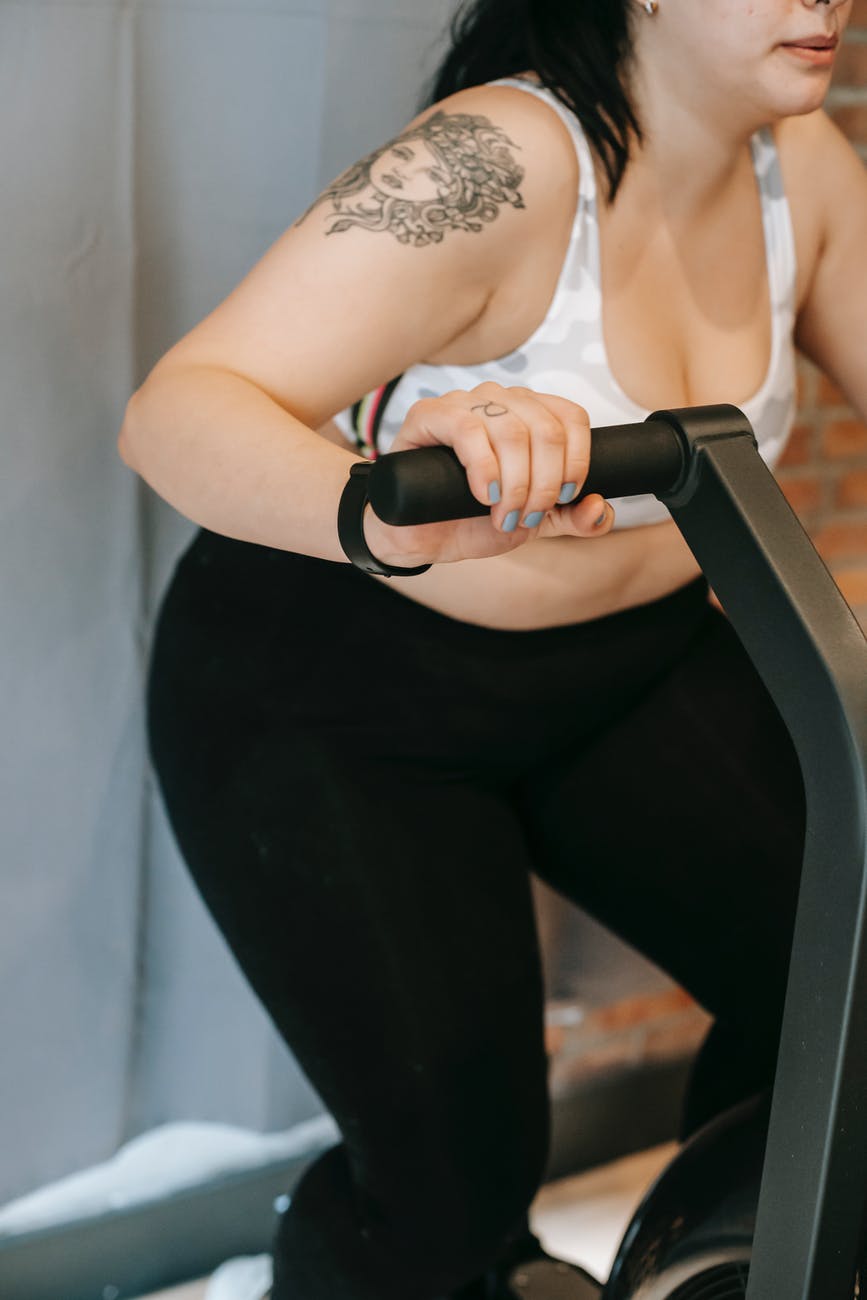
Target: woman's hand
523	452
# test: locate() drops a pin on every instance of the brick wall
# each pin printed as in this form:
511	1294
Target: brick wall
824	469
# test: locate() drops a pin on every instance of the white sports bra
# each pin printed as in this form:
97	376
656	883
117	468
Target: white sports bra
566	355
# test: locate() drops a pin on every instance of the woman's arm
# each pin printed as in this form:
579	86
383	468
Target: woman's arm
397	257
228	457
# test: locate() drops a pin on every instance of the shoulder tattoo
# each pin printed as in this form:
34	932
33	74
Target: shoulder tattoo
452	172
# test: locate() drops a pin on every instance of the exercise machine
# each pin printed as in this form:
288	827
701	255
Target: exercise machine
767	1200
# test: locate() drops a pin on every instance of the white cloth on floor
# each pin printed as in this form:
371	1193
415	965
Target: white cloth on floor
247	1277
158	1163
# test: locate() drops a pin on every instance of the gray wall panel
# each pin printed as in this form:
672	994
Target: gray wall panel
228	118
71	767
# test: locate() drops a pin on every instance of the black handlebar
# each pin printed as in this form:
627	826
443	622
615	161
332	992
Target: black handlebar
430	484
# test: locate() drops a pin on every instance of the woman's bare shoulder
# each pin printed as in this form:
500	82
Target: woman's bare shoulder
537	115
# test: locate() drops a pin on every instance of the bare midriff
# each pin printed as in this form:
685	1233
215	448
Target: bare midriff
626	567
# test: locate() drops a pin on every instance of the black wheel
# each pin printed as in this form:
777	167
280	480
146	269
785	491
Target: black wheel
694	1225
692	1234
725	1282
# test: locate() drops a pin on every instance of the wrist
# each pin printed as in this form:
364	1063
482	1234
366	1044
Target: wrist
351	514
384	541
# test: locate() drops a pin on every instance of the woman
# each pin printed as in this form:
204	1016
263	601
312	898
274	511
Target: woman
604	208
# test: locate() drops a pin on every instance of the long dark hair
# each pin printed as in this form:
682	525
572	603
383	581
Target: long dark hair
579	48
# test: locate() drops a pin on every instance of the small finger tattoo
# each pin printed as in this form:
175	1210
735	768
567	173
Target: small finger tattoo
491	409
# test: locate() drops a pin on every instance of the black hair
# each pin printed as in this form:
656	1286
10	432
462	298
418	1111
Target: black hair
580	50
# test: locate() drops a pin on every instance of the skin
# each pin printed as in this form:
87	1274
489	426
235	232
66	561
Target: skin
703	78
453	171
706	76
410	169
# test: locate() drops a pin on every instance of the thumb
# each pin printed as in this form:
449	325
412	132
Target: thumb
593	516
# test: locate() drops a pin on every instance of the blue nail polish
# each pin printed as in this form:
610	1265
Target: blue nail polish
494	491
510	523
533	520
567	492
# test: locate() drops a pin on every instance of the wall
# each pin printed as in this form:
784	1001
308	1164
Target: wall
824	470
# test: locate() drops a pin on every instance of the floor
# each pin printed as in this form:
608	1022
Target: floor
580	1219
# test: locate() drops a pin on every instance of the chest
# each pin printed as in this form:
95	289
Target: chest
686	311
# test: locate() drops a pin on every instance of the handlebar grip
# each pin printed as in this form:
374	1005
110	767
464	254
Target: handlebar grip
427	485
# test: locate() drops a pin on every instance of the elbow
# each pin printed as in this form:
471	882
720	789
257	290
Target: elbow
125	437
123	449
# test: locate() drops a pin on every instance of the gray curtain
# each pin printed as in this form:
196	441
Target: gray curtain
151	152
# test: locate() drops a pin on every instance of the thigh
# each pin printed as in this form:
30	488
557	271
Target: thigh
382	913
681	828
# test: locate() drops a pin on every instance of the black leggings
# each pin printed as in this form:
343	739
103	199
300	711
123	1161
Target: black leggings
361	788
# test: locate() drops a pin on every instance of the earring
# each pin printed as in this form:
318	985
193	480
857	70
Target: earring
651	6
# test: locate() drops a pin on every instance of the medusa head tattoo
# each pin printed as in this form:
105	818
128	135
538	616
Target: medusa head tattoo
449	173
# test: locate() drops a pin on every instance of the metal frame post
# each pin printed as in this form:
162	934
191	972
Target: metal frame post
812	656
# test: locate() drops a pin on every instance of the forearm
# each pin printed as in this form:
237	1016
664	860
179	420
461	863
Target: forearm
225	455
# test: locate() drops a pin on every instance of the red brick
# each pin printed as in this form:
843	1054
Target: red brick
841	541
829	394
852	489
799	449
845	438
853	585
802	494
852	121
555	1037
636	1010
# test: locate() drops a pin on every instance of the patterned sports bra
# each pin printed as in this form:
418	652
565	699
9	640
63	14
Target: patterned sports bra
566	355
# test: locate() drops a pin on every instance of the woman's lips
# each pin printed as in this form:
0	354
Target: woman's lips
819	57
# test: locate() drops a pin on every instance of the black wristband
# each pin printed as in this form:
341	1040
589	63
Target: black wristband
350	525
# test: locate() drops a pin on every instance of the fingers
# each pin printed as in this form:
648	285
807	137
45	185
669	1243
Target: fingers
525	453
448	421
543	450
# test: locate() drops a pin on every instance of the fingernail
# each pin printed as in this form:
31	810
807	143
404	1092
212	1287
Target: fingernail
567	492
534	520
510	523
597	523
494	491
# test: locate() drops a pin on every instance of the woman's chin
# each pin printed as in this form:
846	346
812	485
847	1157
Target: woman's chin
807	86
